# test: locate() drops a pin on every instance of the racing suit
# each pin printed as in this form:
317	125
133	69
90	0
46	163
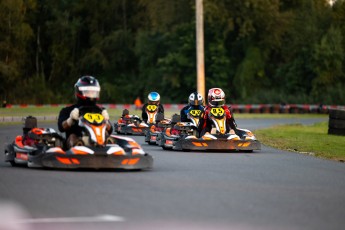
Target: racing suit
75	128
185	110
144	114
205	124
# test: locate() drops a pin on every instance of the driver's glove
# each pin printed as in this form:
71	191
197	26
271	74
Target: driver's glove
105	114
73	116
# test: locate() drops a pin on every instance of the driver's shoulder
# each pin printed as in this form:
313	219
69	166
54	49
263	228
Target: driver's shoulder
68	108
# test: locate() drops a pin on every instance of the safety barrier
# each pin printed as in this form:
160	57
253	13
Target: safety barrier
336	123
237	108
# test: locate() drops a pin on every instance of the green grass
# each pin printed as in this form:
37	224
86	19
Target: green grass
311	140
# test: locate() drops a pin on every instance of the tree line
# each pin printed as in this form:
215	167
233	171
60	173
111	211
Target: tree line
257	51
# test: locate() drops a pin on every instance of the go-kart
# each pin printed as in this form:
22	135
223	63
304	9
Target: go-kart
152	113
217	140
44	147
130	124
152	133
171	132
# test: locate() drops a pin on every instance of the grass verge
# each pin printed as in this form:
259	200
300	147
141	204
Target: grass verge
306	139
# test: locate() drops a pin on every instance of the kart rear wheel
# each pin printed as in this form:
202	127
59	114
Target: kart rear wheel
7	152
248	151
186	150
165	148
13	164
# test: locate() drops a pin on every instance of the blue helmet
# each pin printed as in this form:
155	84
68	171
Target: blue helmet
154	98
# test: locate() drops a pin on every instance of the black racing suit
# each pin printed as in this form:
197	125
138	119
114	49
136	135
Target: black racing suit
75	128
144	114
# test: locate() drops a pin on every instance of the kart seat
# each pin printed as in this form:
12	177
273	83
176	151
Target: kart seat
175	118
167	132
30	122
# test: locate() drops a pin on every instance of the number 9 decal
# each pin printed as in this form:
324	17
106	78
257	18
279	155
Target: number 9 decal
195	112
217	112
151	108
93	117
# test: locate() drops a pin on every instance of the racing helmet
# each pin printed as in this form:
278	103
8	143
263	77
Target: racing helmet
216	97
154	98
195	99
87	90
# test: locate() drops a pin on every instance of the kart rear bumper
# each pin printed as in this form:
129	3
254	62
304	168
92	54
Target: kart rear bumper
217	145
97	161
132	130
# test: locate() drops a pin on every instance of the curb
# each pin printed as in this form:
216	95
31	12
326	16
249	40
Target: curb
20	119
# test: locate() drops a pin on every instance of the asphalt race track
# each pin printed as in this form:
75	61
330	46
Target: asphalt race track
267	189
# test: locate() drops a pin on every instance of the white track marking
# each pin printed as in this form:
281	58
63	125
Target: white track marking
101	218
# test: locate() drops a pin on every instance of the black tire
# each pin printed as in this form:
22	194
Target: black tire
248	151
336	123
186	150
13	164
336	131
165	148
337	114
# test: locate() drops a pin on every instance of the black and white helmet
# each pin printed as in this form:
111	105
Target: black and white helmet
87	90
195	99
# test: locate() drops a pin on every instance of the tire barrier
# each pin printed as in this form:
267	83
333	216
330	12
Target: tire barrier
336	124
237	108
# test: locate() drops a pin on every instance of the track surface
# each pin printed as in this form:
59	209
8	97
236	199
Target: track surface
267	189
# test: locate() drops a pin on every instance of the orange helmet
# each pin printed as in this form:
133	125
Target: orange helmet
216	97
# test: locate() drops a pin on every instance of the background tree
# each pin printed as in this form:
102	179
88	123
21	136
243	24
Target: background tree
258	51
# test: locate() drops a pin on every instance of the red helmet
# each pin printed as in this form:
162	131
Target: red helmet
216	97
87	89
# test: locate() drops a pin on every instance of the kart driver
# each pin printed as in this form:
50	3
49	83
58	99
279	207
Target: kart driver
195	102
86	91
153	99
216	99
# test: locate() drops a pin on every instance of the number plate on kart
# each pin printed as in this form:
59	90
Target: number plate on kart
195	112
217	112
151	108
94	117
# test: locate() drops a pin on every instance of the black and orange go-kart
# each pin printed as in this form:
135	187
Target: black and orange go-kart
171	132
217	140
242	140
131	124
42	147
155	128
153	135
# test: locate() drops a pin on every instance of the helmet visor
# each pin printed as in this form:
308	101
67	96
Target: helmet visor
90	91
195	102
217	102
153	102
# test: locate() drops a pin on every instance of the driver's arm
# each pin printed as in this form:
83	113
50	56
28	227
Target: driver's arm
66	120
106	116
183	114
143	113
231	120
